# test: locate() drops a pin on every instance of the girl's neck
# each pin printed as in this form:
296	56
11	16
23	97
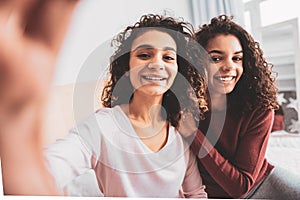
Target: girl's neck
218	101
145	109
145	116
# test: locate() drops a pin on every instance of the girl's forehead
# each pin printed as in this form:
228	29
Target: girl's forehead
224	42
155	39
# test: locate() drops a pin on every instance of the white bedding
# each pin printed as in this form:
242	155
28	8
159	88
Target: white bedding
284	150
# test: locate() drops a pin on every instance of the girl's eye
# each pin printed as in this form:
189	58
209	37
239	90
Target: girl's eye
169	58
216	59
237	58
143	56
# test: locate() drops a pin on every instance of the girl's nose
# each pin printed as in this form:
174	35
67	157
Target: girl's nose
156	63
227	65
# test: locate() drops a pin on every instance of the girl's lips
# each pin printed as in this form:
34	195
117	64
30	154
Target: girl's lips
153	77
225	78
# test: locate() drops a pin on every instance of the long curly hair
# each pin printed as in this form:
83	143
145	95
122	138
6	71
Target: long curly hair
256	87
188	92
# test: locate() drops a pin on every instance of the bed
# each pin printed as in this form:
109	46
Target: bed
284	150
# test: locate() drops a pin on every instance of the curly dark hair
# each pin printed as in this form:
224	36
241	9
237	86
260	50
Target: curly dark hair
188	92
256	88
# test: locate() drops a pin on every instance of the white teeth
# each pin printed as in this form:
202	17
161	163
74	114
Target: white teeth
228	78
152	78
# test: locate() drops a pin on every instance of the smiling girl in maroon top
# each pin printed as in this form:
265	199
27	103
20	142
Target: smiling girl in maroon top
231	141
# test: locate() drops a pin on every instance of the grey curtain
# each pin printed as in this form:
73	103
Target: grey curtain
204	10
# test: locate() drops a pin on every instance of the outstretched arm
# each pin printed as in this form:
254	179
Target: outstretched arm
31	34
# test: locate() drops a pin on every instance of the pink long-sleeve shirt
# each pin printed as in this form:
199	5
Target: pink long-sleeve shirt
124	166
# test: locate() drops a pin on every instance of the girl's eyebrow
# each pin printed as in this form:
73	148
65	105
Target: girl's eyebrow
147	46
238	52
143	46
215	51
221	52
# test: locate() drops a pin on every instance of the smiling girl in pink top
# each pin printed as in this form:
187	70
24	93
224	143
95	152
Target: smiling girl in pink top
133	144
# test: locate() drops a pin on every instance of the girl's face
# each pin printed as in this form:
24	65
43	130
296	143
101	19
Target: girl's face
153	62
227	63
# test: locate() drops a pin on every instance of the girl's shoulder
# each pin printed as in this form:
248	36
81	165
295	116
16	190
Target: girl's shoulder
261	112
113	119
254	111
108	112
258	116
103	111
251	118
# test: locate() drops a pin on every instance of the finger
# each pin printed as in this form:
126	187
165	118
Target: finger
24	59
6	8
19	9
49	20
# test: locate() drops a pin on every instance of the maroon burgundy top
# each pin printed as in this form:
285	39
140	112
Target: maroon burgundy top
236	163
278	124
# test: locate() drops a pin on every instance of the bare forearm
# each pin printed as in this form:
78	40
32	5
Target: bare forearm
31	34
23	168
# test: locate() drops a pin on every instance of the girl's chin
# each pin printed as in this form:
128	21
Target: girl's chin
224	88
153	90
221	90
